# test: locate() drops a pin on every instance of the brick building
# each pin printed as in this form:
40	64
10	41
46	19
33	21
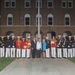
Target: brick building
19	17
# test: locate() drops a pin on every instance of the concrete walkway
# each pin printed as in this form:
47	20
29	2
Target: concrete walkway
40	67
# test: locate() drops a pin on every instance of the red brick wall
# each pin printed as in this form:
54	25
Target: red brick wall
19	12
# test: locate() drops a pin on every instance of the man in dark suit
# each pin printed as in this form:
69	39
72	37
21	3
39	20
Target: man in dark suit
33	47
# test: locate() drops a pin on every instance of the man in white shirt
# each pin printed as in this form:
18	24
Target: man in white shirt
38	47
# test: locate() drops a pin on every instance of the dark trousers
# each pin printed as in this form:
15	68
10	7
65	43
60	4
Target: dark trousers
38	53
33	53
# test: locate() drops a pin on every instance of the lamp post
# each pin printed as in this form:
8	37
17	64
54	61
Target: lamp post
38	18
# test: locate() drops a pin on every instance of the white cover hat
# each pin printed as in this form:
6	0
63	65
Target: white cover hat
69	36
28	37
59	35
23	38
2	37
18	37
13	36
8	36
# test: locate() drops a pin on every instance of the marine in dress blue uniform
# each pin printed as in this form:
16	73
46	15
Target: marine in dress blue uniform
2	47
70	53
7	46
47	48
13	46
65	46
73	47
59	47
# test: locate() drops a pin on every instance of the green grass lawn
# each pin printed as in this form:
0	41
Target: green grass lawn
4	62
72	59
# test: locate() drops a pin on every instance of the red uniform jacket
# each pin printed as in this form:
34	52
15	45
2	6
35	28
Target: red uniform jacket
24	44
28	45
18	43
54	43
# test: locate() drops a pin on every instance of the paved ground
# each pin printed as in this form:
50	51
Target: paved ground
40	67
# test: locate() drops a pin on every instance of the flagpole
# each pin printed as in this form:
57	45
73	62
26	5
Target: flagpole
38	18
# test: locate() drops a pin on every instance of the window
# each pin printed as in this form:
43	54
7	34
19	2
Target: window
6	4
64	4
40	3
10	3
70	4
27	20
10	19
13	3
40	19
50	4
49	35
27	4
67	19
27	35
50	19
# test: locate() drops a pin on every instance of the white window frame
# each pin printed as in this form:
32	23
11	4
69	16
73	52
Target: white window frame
50	1
25	3
26	15
5	4
67	15
9	15
37	20
50	15
37	2
62	4
72	4
11	3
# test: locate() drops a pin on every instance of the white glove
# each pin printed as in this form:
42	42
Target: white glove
13	46
57	45
62	45
9	45
29	44
24	46
52	42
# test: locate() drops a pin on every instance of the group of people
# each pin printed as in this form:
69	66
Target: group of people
31	48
